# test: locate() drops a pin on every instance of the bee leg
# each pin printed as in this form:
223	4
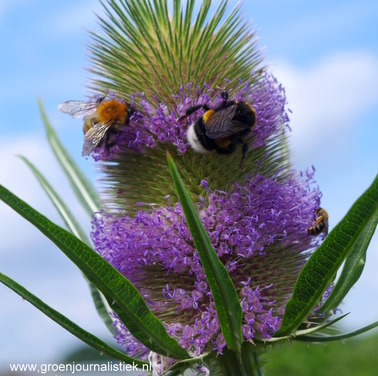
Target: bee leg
320	224
310	231
130	112
193	109
224	96
239	140
244	153
110	142
226	103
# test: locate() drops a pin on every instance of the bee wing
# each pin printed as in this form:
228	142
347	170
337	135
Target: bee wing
78	109
94	136
325	231
220	124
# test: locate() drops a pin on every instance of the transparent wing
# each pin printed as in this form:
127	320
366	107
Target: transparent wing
325	226
78	109
94	136
220	124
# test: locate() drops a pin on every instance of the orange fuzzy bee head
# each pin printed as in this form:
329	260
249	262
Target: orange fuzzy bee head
111	111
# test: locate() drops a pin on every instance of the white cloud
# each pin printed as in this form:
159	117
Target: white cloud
327	98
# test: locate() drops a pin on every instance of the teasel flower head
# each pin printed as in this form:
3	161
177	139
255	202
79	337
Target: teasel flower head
255	216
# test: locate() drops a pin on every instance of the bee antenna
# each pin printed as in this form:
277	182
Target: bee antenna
221	88
100	99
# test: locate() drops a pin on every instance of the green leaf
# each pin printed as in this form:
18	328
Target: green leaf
67	324
306	332
222	288
76	230
101	308
337	337
352	270
62	209
122	296
323	264
83	189
315	329
86	195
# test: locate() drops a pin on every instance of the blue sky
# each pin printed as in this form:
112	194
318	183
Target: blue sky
325	54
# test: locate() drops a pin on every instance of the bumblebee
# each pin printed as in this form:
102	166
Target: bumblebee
221	128
320	224
102	118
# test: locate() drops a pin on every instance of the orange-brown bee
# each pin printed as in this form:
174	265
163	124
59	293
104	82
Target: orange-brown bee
102	118
320	225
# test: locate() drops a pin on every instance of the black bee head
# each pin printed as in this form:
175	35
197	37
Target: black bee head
129	109
224	95
100	99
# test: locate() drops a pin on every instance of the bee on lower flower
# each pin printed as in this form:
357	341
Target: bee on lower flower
320	225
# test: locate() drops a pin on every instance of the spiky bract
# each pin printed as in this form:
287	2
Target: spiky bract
148	51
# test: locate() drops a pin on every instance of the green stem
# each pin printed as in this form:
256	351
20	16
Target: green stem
245	364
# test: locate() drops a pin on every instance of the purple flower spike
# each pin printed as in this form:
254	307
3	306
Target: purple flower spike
258	232
255	213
